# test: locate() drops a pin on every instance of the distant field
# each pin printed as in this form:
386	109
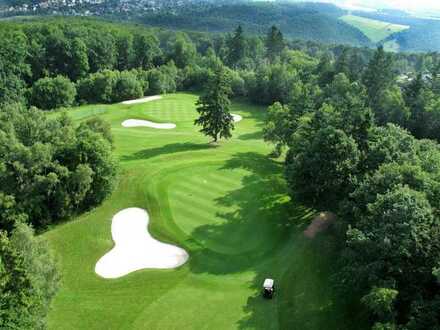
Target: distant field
375	30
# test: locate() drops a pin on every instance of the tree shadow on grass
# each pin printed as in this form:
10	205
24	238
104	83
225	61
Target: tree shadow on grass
258	223
251	136
259	215
263	217
167	149
306	298
255	163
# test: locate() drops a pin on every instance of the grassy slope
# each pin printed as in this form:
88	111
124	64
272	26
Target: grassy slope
227	206
375	30
423	36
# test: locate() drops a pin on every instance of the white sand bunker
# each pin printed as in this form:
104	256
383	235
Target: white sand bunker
147	123
236	118
143	100
135	248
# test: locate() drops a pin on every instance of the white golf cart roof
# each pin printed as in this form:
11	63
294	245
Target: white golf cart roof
268	283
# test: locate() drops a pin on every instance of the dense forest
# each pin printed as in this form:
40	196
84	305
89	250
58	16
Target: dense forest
310	21
355	131
305	21
66	57
349	152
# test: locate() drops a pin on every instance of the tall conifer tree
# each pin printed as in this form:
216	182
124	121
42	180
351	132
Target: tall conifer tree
237	47
213	107
379	76
274	43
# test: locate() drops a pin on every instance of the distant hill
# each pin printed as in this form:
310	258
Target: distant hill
375	30
313	21
306	21
422	36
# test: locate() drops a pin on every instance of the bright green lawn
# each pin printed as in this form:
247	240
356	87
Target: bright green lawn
375	30
227	206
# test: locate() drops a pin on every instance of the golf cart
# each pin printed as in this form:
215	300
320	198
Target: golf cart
268	288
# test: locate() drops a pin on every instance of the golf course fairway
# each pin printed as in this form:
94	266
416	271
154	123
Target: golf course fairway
226	205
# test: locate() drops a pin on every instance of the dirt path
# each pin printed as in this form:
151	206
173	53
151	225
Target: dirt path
320	224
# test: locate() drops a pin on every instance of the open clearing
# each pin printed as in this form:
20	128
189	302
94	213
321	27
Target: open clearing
375	30
227	206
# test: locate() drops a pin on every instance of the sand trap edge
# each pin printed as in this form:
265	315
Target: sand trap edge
236	118
135	249
129	123
143	100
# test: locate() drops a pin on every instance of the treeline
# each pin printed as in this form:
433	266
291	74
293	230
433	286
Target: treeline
56	63
44	64
49	170
355	139
305	21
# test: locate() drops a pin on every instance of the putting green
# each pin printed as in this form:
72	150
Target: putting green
206	207
227	206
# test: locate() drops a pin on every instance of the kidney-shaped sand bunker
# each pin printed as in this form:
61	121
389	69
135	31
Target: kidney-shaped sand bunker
135	248
147	123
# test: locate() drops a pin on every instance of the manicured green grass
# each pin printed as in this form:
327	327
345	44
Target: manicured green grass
375	30
227	206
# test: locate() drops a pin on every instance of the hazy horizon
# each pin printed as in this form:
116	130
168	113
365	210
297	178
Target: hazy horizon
407	5
421	6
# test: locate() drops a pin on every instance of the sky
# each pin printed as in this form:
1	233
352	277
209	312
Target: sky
408	5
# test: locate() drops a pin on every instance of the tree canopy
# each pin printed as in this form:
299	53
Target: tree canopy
28	279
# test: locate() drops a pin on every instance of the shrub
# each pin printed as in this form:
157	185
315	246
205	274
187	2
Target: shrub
127	87
52	93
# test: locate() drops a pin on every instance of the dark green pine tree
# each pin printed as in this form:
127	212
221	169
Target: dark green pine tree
213	107
237	47
325	70
416	99
378	76
274	43
435	75
342	63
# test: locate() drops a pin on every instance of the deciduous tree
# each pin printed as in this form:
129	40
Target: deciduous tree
52	93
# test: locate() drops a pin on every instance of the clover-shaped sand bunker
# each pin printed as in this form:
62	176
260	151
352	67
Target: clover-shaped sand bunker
135	248
146	123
